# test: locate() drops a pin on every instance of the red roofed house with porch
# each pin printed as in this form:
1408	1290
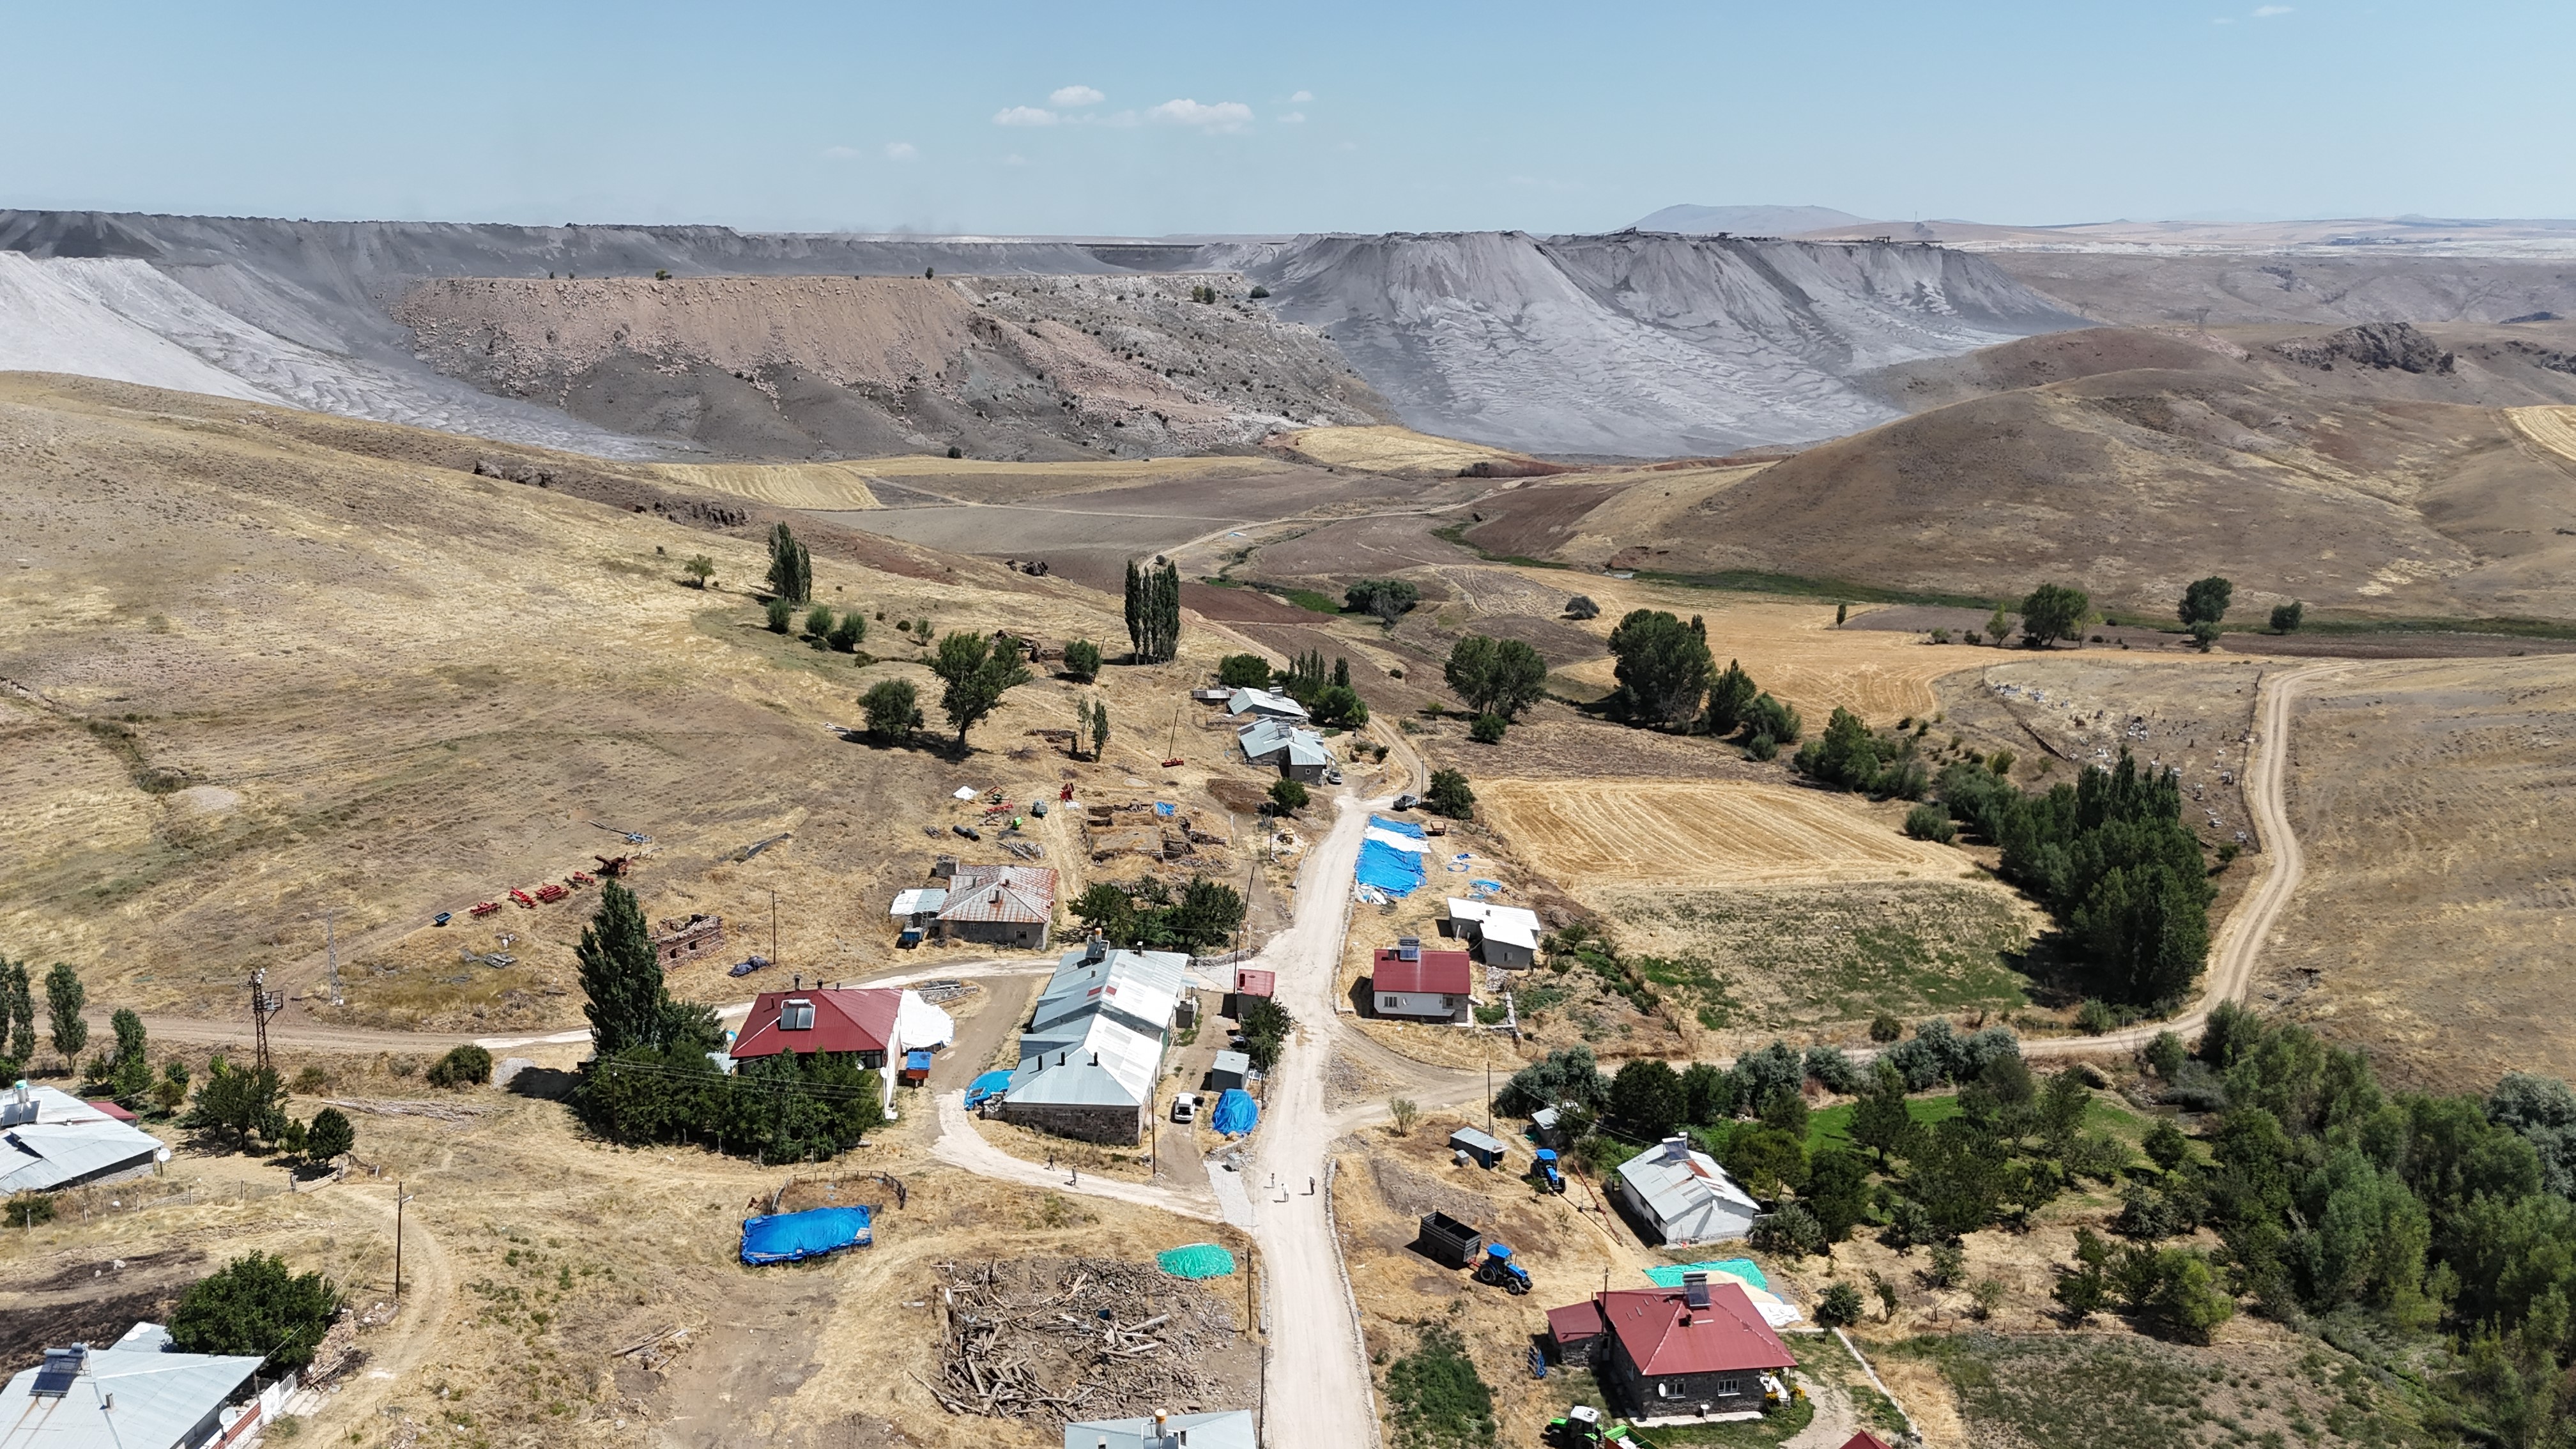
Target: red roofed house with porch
1408	982
846	1019
1696	1351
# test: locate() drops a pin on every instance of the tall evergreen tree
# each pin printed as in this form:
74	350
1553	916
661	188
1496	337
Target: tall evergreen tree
1154	610
620	974
20	1008
791	568
1099	728
1730	698
1167	600
64	998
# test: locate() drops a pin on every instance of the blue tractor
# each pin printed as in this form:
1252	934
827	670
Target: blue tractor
1544	1172
1499	1270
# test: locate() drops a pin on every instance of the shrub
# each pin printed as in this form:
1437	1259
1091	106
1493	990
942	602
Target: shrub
2286	617
893	708
1941	636
2095	1017
30	1209
1488	729
1840	1307
254	1307
2165	1055
1082	659
1767	715
1289	795
1243	671
699	568
1931	822
846	634
955	451
1258	292
818	621
1985	1298
1387	599
1949	1266
465	1065
1884	1027
781	615
330	1135
1402	1112
1582	607
1792	1232
2001	762
1762	747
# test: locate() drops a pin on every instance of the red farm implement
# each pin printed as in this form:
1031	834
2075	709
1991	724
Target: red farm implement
482	909
551	893
523	898
581	878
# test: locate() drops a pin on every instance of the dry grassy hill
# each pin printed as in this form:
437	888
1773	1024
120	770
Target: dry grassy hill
2133	461
261	664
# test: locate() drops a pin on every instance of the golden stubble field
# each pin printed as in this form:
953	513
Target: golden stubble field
262	668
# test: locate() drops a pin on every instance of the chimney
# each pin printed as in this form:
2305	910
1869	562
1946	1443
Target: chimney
1694	1292
1095	1059
800	982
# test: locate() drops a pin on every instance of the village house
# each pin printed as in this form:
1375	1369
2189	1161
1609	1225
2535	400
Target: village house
875	1024
998	905
1250	984
1264	704
138	1393
51	1140
1681	1196
1700	1351
1093	1053
1296	754
1224	1429
1412	984
1505	936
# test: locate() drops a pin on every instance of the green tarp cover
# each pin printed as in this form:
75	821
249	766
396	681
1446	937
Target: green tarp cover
1198	1260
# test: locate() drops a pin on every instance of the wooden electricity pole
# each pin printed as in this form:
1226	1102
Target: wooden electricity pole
400	1197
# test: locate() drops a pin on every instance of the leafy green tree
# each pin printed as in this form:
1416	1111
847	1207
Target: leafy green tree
1082	659
1265	1032
977	676
1840	1306
1790	1231
1449	795
2166	1146
330	1136
1837	1192
893	708
847	634
2053	612
1337	706
1568	1074
256	1307
2205	601
791	567
2286	617
1730	700
1999	627
1646	1097
21	1012
699	568
1764	1159
1488	729
1663	667
64	998
621	974
129	1071
781	615
1107	909
1708	1093
818	621
1772	719
1289	795
1496	676
1243	671
1099	728
1880	1120
1387	600
239	1103
1582	607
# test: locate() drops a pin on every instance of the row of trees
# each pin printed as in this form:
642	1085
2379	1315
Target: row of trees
1154	610
1147	915
791	567
65	999
844	634
2111	860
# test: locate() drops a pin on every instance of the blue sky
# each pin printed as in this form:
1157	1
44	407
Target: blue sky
1150	119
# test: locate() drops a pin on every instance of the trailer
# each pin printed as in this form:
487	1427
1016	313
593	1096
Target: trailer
1447	1241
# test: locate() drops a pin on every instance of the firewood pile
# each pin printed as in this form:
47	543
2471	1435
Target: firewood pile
1074	1338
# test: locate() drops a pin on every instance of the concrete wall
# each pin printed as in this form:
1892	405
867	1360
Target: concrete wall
1122	1126
1421	1005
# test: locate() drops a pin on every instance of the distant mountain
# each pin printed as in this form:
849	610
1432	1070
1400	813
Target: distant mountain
1748	220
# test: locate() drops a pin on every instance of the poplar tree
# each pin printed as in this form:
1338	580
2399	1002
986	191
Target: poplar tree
621	974
64	998
791	568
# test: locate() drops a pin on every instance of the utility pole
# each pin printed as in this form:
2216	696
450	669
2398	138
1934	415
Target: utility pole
331	946
400	1197
263	1005
773	928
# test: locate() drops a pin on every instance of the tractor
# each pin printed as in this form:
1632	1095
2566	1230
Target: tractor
1582	1427
1544	1173
1500	1271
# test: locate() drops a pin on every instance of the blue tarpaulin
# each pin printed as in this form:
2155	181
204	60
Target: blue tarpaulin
1235	1113
985	1086
1382	865
1670	1275
788	1237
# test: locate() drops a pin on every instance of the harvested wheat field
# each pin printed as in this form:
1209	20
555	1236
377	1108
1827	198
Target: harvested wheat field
2553	428
1700	832
836	487
1791	649
1393	450
2432	800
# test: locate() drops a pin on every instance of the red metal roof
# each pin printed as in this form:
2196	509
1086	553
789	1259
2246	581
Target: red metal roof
1664	1335
1865	1440
1024	894
113	1110
1446	973
846	1019
1248	982
1574	1322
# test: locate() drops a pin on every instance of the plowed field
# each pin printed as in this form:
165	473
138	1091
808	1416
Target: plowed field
1701	832
2551	428
834	486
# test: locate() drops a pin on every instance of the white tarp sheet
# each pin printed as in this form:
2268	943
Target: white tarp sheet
920	1026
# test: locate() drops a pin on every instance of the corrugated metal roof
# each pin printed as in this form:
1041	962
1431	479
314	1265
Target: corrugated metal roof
1266	702
1474	1138
1685	1188
160	1399
1108	1064
1447	973
1225	1429
1139	987
1017	894
69	1142
1511	925
918	900
1263	739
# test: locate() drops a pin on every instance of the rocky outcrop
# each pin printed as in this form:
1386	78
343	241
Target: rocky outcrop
2372	344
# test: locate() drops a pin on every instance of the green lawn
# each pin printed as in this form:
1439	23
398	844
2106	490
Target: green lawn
2108	1115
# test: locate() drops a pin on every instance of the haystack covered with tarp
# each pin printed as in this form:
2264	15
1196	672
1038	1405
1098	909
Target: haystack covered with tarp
1236	1113
794	1237
1391	856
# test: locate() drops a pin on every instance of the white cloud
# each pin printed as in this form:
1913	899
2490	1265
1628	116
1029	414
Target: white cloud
902	151
1301	98
1293	118
1220	116
1069	97
2266	12
842	153
1023	116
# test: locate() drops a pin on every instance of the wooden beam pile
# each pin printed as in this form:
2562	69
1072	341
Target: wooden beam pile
1072	1338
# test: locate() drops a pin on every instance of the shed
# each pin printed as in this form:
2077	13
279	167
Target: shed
1682	1196
1546	1128
1248	703
1224	1429
1250	984
162	1399
1505	936
51	1139
1487	1150
1229	1070
919	906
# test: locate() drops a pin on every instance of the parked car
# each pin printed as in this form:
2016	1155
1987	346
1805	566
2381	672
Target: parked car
909	939
1407	802
1332	777
1185	1108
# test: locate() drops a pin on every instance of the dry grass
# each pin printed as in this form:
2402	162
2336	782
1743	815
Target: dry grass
1791	649
1702	833
836	487
2553	428
1392	450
